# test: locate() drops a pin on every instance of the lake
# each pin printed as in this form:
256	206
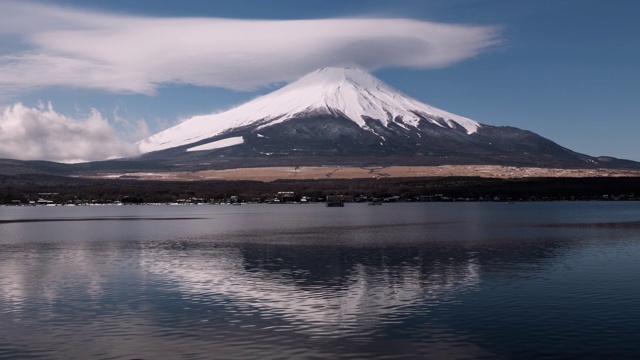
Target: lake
554	280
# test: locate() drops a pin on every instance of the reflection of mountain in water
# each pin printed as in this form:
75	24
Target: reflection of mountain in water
323	288
293	297
333	289
318	284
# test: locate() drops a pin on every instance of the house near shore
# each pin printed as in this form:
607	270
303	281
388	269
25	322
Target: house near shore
286	197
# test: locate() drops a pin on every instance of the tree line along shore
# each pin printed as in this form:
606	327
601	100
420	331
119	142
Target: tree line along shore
65	190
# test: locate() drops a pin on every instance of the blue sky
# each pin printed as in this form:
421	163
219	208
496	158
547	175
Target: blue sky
565	69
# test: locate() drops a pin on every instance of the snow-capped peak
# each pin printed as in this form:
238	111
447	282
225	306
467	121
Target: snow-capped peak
352	92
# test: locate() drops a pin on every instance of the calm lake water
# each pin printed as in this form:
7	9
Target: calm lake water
398	281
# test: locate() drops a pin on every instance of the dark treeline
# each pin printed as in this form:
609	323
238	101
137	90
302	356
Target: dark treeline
64	189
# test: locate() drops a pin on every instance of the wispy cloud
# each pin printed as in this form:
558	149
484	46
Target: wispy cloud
61	46
44	134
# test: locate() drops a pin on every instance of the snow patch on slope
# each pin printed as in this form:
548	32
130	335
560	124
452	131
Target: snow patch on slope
352	93
219	144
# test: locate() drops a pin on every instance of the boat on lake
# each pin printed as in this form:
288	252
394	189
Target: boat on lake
335	203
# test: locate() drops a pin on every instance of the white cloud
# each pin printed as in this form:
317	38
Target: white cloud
48	46
132	54
43	134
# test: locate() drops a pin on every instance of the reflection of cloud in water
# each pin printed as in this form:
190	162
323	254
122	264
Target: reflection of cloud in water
13	285
368	293
54	274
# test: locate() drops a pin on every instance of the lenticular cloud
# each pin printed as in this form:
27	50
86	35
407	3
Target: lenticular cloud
65	47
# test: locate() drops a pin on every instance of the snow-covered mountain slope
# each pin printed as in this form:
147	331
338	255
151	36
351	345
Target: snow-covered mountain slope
346	92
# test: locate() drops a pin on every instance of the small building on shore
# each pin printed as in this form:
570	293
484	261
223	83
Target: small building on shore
286	197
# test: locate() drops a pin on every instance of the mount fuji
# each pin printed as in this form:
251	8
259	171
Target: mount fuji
345	116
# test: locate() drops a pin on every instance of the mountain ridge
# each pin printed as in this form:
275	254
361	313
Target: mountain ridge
348	92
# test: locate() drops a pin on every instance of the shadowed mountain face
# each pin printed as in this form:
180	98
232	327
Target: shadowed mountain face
317	139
